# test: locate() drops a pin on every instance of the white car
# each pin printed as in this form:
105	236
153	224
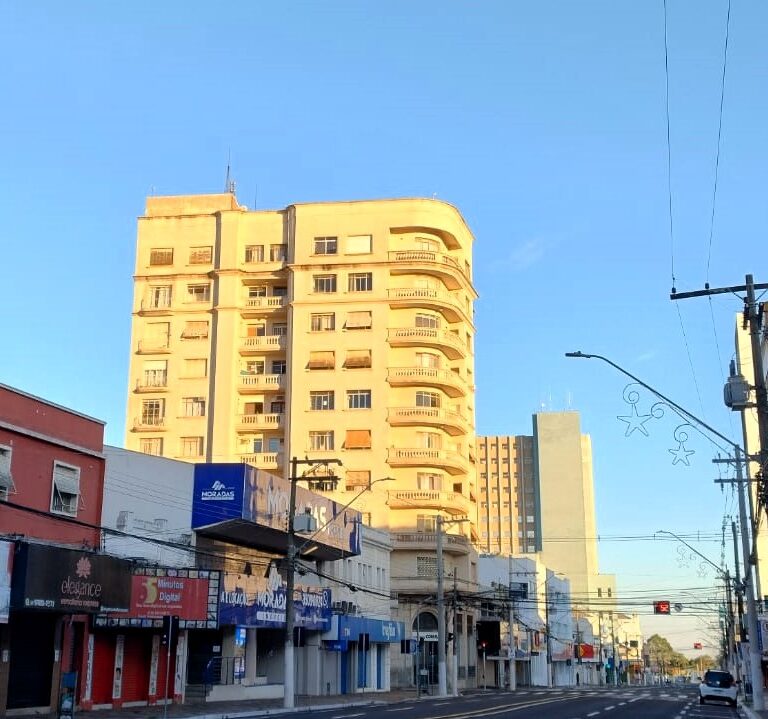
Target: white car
718	685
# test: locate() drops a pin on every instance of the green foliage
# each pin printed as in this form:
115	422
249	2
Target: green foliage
662	654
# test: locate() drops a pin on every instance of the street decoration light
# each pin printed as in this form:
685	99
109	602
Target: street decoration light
738	459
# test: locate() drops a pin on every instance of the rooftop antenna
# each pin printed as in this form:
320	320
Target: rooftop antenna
230	184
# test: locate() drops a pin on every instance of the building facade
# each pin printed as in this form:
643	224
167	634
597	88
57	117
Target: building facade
340	330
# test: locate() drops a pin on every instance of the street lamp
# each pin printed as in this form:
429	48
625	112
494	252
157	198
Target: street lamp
291	553
754	651
442	683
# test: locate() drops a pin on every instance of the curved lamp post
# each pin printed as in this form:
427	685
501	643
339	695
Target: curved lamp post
754	651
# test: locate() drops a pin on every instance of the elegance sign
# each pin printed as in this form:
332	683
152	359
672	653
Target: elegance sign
67	580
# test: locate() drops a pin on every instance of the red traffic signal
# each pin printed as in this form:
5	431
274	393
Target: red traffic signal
697	645
661	607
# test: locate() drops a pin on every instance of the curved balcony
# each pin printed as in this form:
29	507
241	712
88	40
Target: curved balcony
431	299
150	308
448	342
259	383
426	262
428	499
262	344
259	306
451	422
444	379
263	460
254	422
452	543
451	462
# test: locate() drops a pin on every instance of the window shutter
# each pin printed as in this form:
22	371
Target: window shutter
66	479
359	320
358	439
356	359
322	360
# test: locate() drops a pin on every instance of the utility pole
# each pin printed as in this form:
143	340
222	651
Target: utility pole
613	651
549	643
442	689
289	689
512	642
455	665
739	593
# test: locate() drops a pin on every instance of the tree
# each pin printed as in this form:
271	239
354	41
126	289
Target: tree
662	656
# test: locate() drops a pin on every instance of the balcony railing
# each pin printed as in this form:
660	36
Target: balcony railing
428	297
263	460
149	423
428	336
153	346
428	499
453	462
449	381
262	382
261	303
248	422
451	421
452	543
157	383
436	262
264	343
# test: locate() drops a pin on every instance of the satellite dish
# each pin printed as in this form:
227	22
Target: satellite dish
678	607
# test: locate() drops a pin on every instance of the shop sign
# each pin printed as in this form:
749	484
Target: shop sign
190	594
67	580
253	601
6	567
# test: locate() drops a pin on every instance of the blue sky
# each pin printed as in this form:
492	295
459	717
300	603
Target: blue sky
543	122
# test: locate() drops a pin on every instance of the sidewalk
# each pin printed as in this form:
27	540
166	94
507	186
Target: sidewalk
241	710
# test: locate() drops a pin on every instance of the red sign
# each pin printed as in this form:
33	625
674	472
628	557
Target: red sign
155	597
697	645
585	651
661	607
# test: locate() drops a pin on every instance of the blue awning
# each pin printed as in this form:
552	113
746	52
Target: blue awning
345	628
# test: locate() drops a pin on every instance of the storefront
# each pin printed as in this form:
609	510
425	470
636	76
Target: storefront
53	591
139	657
363	646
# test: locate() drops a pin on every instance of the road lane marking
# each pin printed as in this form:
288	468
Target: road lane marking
399	709
609	708
347	716
593	714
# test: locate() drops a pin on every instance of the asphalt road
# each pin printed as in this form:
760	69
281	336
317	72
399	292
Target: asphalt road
585	703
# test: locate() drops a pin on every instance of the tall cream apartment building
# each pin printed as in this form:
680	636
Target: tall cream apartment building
536	496
323	330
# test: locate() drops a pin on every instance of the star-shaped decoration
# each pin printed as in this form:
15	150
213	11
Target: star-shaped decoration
681	454
635	421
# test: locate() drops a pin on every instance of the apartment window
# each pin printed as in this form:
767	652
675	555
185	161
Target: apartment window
155	373
257	291
161	256
195	330
277	406
158	334
254	253
321	441
359	245
6	480
321	401
200	255
258	329
66	489
357	478
326	245
280	291
193	407
252	408
274	445
325	322
151	445
428	360
429	440
357	359
429	480
427	399
426	566
160	296
280	329
359	320
278	367
199	293
358	439
359	399
322	360
324	283
277	253
425	244
191	446
360	282
254	367
196	367
424	320
258	445
152	412
599	592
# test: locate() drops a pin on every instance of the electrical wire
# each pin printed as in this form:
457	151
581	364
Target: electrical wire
669	150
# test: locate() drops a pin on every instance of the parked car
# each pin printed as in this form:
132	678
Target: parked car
718	685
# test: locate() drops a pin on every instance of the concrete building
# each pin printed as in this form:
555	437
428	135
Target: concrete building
340	330
536	498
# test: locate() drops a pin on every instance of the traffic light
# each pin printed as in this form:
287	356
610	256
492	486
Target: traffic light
661	607
449	638
170	628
